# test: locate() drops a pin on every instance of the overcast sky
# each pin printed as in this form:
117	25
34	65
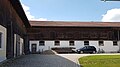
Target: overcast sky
72	10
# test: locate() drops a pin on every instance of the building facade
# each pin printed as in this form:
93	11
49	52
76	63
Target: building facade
19	36
13	24
45	35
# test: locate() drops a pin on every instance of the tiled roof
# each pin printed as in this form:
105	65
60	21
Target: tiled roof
73	24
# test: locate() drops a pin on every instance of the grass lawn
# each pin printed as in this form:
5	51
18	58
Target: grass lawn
100	61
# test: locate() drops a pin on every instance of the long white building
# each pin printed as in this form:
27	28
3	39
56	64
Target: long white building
45	35
106	46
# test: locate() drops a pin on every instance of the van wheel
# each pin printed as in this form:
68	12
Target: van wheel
81	52
94	52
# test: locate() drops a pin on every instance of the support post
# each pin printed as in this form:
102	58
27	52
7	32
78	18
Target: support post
10	41
26	44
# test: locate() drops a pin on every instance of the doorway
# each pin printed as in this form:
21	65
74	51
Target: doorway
34	48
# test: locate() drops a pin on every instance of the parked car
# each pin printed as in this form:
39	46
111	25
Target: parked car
87	49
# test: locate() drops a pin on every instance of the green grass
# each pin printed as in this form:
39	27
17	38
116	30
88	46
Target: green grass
100	61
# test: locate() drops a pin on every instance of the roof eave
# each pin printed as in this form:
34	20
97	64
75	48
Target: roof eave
18	7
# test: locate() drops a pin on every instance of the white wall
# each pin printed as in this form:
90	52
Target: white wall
48	45
34	42
119	46
21	46
15	45
79	44
3	44
108	45
64	44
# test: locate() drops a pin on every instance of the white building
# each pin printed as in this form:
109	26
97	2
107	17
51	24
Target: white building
45	35
107	46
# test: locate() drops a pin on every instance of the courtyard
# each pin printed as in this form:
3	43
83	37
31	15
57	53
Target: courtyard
38	60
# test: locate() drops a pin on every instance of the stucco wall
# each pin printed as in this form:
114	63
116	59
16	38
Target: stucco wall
3	44
14	45
21	46
34	42
119	46
79	44
108	45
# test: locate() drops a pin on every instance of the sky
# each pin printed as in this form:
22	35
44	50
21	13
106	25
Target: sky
72	10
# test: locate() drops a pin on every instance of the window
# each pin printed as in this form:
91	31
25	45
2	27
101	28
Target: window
101	43
86	42
115	43
0	40
57	43
41	43
71	43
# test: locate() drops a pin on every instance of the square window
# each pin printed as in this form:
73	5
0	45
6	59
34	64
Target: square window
86	42
115	43
101	43
71	43
41	43
57	43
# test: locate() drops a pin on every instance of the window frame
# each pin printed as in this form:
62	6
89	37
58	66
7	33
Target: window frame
101	43
86	44
57	43
115	43
41	43
71	43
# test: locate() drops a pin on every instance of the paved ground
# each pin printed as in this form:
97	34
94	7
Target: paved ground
75	57
59	60
41	61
